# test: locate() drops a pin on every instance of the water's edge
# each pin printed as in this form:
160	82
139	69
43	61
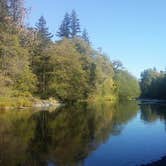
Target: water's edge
161	162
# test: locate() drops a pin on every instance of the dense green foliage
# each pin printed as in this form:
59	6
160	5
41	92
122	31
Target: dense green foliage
153	84
31	64
16	75
128	86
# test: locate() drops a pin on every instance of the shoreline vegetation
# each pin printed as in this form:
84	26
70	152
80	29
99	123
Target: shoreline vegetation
38	71
34	66
153	84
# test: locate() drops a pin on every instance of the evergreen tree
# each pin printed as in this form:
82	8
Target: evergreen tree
41	57
75	25
64	30
43	34
85	36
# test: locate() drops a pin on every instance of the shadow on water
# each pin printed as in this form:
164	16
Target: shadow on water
66	136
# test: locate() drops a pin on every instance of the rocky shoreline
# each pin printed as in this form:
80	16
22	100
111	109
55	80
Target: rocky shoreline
45	103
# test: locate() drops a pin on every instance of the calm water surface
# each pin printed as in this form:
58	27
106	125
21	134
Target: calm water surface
100	134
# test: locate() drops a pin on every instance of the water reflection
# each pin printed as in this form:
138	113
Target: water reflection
66	136
152	112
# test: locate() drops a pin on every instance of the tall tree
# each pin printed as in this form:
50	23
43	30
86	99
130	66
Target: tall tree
17	11
64	29
43	33
75	25
41	57
85	36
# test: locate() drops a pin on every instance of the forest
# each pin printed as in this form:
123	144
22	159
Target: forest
66	99
35	65
153	84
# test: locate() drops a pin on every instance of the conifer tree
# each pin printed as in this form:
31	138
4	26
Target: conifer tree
64	29
43	33
75	25
85	36
40	64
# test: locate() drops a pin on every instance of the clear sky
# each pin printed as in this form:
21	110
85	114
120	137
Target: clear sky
133	31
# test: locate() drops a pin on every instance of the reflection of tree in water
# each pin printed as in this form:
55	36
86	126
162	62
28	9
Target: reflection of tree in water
67	135
16	130
39	144
110	119
153	112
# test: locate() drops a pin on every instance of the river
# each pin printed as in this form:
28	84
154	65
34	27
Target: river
98	134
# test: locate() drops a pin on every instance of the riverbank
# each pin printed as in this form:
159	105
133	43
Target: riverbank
26	102
33	102
151	101
161	162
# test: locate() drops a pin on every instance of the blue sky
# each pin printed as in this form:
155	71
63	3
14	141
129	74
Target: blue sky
133	31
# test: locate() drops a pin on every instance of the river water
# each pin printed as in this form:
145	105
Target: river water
98	134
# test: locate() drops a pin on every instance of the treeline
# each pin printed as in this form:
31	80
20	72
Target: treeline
153	84
69	69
